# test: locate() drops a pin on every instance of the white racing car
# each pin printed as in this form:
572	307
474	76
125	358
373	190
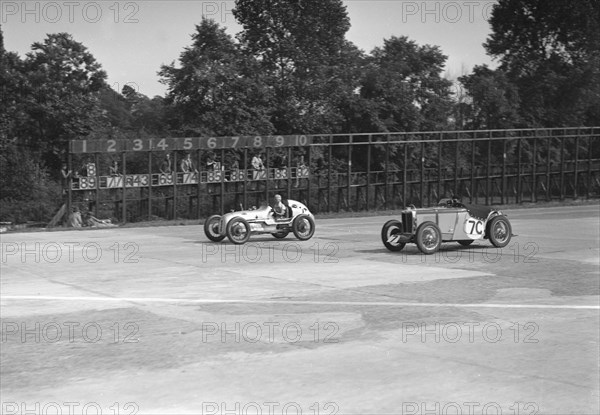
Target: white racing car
238	226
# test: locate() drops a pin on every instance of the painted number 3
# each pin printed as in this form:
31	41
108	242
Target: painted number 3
474	228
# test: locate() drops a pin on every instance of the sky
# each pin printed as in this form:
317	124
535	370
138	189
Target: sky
132	39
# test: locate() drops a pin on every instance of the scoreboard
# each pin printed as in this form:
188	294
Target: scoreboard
92	182
188	143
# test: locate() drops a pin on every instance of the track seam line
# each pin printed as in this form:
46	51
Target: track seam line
295	302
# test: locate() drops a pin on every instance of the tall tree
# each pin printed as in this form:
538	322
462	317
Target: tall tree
301	45
215	89
404	80
550	49
494	100
63	80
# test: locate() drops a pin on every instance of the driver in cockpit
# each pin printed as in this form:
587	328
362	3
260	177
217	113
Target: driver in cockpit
279	208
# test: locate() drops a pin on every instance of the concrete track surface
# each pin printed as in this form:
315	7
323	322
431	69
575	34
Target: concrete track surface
160	321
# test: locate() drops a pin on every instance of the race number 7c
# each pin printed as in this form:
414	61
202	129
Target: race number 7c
474	228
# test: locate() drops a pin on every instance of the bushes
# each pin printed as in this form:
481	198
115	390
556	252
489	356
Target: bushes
27	192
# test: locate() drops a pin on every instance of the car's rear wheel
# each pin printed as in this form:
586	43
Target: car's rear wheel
499	231
390	235
212	228
303	227
466	242
281	234
428	238
238	231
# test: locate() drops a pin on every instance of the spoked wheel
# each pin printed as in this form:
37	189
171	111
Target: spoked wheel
281	234
303	227
499	231
238	231
390	235
212	228
466	242
429	238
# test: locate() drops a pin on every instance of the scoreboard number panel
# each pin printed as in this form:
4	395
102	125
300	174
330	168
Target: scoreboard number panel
187	143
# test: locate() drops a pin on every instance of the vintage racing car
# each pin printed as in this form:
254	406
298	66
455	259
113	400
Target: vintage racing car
238	226
449	221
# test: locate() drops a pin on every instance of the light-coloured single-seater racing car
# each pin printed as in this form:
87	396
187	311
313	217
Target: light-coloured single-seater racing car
238	226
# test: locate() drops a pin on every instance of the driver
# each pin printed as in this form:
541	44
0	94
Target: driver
279	208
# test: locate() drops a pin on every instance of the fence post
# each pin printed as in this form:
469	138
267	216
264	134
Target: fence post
386	173
245	178
534	170
308	180
548	168
329	162
503	180
150	185
589	175
562	165
124	197
367	193
473	184
519	151
489	164
349	178
575	173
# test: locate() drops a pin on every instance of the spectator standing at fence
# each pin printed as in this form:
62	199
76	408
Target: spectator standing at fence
114	168
257	162
257	165
65	176
187	166
165	166
300	166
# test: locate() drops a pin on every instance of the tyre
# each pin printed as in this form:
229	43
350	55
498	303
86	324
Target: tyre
211	228
428	238
466	242
303	227
499	231
281	234
390	235
238	231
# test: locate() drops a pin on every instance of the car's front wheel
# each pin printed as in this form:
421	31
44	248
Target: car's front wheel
238	231
390	235
303	227
212	228
428	238
499	231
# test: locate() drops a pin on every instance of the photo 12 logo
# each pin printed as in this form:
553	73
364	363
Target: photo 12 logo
446	11
53	252
269	408
270	332
471	332
70	331
68	408
69	11
470	408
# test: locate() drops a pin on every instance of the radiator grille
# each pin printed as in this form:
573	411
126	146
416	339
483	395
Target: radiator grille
407	222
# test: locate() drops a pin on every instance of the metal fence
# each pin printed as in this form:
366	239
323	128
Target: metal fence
359	172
